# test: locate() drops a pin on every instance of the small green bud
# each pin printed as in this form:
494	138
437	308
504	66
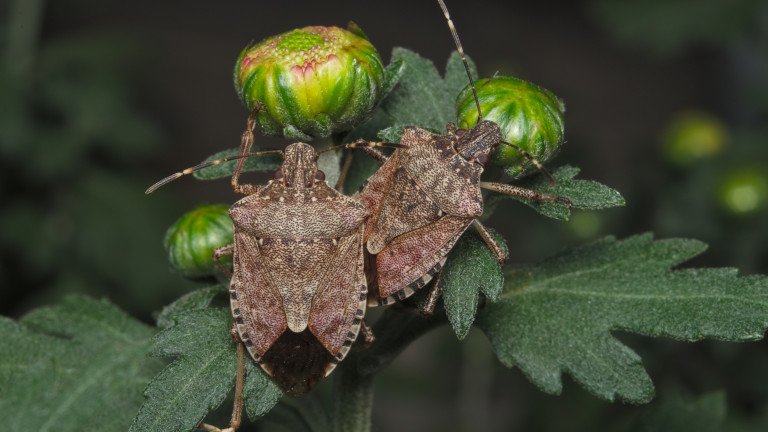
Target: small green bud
191	240
529	116
310	82
744	191
692	136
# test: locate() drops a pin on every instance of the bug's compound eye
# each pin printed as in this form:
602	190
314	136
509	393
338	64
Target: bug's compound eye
482	159
319	176
278	175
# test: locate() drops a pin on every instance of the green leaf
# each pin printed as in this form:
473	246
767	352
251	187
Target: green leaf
201	376
261	163
456	79
422	98
77	366
558	316
393	73
705	413
584	194
471	269
260	393
199	299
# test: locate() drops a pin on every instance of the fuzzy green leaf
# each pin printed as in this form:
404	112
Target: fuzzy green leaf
77	366
201	376
423	98
558	316
584	194
260	393
199	299
394	72
261	163
471	269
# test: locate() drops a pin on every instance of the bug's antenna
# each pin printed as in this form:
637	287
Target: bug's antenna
461	53
202	165
362	143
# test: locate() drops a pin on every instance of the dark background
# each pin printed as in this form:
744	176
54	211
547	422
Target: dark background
98	99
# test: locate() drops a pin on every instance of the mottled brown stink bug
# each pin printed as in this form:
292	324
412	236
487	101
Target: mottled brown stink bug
425	195
298	288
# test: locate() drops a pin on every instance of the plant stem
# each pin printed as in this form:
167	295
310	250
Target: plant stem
353	384
353	402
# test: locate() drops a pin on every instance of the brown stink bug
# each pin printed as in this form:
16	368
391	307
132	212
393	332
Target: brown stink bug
423	198
298	288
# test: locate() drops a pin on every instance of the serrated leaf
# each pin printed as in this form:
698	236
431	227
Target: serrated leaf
199	299
584	194
260	393
77	366
471	269
456	79
558	316
423	98
393	74
201	376
261	163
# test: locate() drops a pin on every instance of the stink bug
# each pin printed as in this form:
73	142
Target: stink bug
425	195
298	288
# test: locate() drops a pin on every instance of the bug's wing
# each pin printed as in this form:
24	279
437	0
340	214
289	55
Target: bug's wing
257	306
377	187
409	261
405	207
339	305
450	180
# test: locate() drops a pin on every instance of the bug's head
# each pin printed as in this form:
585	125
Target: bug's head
479	142
299	168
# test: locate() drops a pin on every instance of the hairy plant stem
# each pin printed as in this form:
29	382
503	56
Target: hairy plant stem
353	384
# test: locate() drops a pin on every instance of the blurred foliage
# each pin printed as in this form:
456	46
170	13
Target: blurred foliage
74	217
669	25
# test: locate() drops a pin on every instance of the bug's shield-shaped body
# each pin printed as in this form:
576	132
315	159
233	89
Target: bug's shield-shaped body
298	291
421	200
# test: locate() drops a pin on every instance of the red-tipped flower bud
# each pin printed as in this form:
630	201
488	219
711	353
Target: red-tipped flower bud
311	82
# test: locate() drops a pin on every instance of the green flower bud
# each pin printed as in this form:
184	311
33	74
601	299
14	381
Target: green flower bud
744	191
693	136
191	240
311	82
529	117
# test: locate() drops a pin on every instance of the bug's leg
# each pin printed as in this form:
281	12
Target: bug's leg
344	171
367	333
527	194
535	162
237	409
246	142
497	251
376	154
221	252
428	307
